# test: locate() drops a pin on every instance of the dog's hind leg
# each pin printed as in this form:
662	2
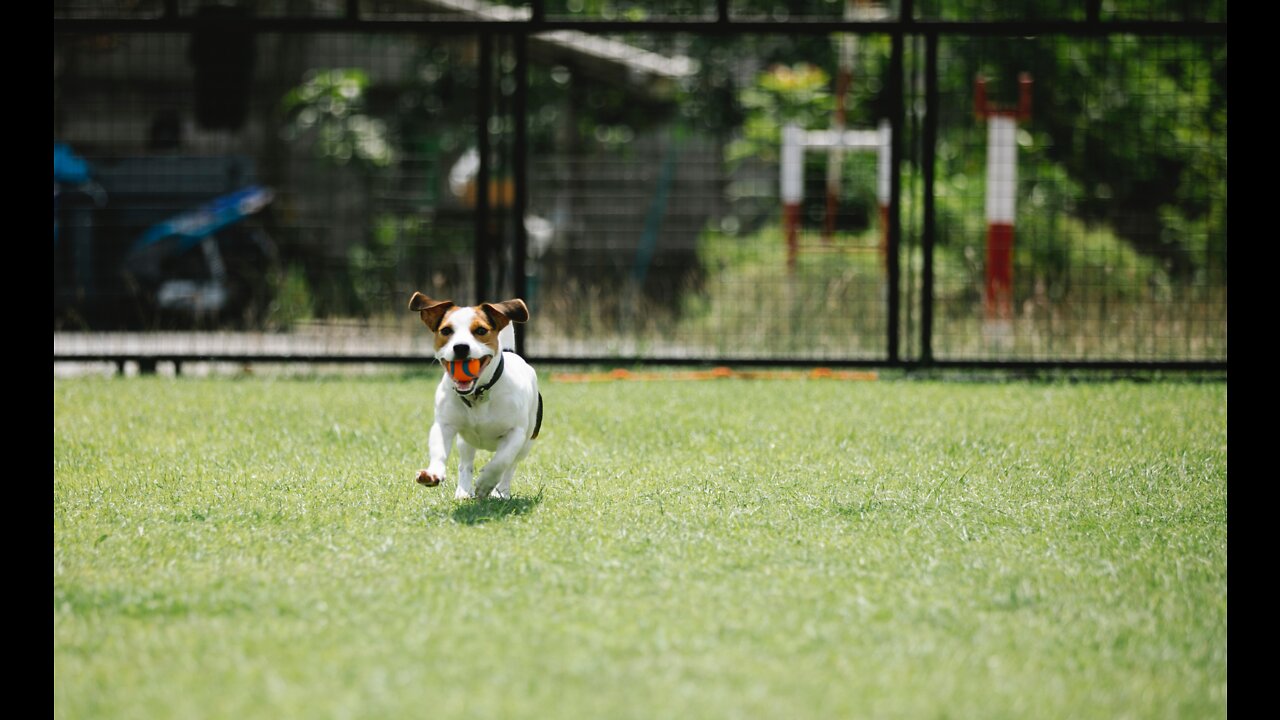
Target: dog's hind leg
503	490
501	466
466	469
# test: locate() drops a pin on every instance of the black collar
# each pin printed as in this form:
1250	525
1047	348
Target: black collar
478	394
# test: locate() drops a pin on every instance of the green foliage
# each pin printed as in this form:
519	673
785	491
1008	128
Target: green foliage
329	105
373	265
782	95
1056	252
434	108
1138	124
292	299
1129	133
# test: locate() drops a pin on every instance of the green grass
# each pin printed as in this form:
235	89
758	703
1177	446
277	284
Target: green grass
257	548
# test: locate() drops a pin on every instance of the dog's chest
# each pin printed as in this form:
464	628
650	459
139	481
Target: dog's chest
484	423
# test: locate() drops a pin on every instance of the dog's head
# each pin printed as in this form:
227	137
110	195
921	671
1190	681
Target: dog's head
467	333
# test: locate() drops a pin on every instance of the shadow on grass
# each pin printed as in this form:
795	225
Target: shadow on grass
479	512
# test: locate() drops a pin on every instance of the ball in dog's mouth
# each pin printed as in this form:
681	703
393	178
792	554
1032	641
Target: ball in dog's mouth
465	373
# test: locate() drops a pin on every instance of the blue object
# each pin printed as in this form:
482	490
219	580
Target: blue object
69	167
193	226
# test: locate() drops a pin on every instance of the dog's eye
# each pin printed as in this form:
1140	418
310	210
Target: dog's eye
481	331
446	331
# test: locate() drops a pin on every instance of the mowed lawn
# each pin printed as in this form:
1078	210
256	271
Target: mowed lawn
257	548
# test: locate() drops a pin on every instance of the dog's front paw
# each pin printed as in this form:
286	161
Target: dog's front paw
430	479
499	494
461	494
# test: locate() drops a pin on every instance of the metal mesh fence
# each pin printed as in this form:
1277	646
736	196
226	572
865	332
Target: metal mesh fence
632	186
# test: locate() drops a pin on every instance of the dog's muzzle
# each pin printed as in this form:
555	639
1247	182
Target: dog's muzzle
462	384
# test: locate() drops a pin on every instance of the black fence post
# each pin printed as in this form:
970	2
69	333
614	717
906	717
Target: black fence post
484	110
929	143
521	172
895	190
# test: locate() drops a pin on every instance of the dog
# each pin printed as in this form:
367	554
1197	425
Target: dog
499	409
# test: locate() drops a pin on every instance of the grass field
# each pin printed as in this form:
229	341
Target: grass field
257	548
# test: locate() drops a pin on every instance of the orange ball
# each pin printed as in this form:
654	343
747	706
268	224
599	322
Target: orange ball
463	370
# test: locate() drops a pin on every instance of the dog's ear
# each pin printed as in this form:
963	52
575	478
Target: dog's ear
507	311
431	311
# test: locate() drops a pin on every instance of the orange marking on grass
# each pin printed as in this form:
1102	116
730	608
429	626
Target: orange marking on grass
718	373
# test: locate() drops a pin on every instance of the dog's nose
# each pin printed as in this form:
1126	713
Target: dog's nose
461	350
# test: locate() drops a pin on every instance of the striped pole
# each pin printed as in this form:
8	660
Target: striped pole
1002	185
1002	194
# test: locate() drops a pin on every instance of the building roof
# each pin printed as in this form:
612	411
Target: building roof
593	55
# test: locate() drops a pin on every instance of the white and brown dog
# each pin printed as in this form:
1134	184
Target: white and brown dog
499	409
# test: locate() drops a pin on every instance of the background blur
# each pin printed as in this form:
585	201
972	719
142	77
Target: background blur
278	177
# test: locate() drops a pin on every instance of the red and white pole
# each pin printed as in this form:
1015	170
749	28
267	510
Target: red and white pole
1002	194
1002	187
